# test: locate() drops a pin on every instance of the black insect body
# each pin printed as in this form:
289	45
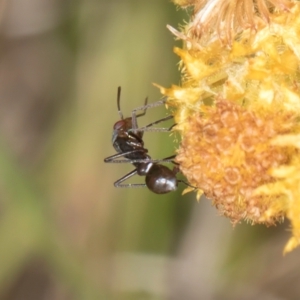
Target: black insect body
127	139
124	140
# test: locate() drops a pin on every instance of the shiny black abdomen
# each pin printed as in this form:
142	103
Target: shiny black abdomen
161	179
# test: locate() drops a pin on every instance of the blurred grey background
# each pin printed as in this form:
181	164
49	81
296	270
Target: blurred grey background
65	231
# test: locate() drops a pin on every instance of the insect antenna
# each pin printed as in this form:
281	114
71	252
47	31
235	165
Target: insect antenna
118	103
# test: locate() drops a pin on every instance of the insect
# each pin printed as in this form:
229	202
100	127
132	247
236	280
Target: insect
127	139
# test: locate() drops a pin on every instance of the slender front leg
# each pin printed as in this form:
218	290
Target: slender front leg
144	108
134	117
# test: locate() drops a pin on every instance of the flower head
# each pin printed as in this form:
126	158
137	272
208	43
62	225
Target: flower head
226	152
238	108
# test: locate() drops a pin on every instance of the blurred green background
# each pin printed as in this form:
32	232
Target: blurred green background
65	231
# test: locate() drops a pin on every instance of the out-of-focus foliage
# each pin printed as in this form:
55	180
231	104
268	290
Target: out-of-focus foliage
65	231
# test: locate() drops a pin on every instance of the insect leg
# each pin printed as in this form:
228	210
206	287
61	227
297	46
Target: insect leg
118	184
159	121
169	159
150	128
113	158
144	108
177	170
134	116
187	184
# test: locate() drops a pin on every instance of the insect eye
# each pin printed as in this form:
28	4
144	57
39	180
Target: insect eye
119	125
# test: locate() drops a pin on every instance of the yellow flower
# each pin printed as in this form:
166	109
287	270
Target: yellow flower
237	108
